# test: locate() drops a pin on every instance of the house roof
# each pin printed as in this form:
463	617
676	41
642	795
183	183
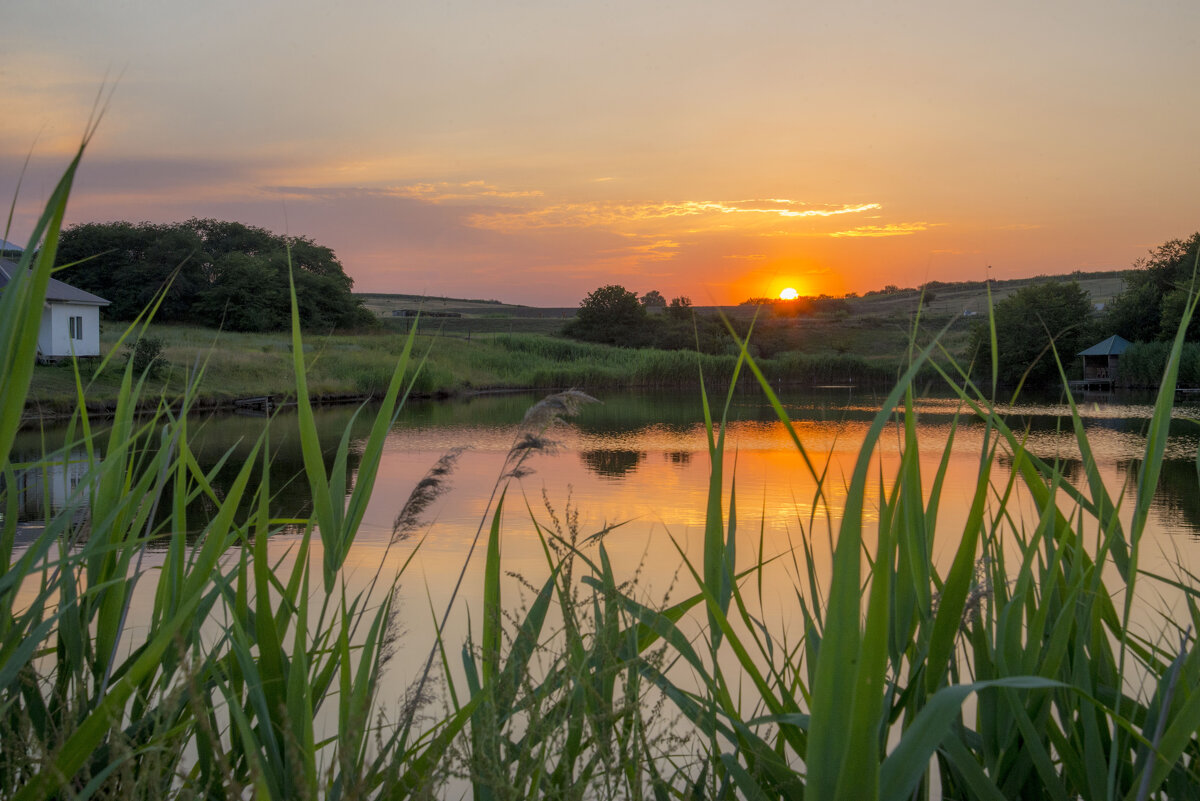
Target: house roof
56	291
10	247
1113	346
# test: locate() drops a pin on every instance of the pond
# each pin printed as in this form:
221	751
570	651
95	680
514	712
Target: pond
636	466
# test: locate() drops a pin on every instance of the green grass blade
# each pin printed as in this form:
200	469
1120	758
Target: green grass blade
21	306
325	510
492	611
839	743
909	760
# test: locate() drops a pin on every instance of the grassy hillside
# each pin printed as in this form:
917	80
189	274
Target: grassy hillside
493	345
461	317
950	299
232	366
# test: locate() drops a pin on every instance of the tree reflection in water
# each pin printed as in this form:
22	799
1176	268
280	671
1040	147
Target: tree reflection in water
612	463
1176	496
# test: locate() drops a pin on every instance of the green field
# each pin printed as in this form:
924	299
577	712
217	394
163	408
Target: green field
491	345
460	317
231	366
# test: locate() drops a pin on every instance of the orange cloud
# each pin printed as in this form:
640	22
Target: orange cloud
445	191
597	214
891	229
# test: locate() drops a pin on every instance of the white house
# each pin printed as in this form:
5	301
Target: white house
70	318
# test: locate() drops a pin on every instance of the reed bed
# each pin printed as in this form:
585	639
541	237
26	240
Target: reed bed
242	365
1015	672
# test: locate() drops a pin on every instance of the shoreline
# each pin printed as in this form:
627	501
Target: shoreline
61	410
248	370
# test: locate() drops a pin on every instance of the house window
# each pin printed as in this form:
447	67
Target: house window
75	324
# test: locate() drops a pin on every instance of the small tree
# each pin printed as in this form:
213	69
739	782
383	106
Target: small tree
653	298
612	315
147	358
680	308
1026	321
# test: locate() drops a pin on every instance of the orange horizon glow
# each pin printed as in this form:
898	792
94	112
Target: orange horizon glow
466	170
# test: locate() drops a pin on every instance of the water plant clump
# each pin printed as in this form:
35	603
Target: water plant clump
1017	671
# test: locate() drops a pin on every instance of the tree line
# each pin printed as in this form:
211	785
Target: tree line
220	274
1149	309
614	315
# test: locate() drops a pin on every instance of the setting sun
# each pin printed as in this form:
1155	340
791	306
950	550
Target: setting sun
789	294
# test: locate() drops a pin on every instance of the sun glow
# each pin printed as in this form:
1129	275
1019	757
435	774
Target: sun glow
789	294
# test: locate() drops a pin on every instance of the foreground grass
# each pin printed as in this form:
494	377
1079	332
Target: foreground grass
1014	673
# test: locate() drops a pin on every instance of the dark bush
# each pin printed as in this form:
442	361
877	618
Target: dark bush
147	358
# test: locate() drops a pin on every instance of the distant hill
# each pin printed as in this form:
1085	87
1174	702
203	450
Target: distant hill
948	299
463	317
970	297
385	305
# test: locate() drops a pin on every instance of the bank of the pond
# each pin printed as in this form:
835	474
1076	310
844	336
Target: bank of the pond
229	369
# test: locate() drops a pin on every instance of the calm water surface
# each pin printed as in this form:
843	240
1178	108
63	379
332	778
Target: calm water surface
641	461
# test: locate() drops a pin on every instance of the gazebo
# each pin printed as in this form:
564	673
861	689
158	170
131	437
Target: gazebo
1100	360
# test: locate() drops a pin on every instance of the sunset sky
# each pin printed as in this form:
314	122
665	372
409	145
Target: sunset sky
532	151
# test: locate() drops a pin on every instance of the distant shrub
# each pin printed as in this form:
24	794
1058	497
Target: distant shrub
147	358
611	315
1143	363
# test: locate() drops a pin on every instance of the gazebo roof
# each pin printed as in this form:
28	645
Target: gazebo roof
1113	346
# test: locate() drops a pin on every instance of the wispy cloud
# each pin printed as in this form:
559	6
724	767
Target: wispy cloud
593	214
447	192
891	229
658	250
434	192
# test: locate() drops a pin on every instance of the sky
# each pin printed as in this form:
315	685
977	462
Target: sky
531	152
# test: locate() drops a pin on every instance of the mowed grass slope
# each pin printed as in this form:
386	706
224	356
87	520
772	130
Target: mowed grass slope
461	317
